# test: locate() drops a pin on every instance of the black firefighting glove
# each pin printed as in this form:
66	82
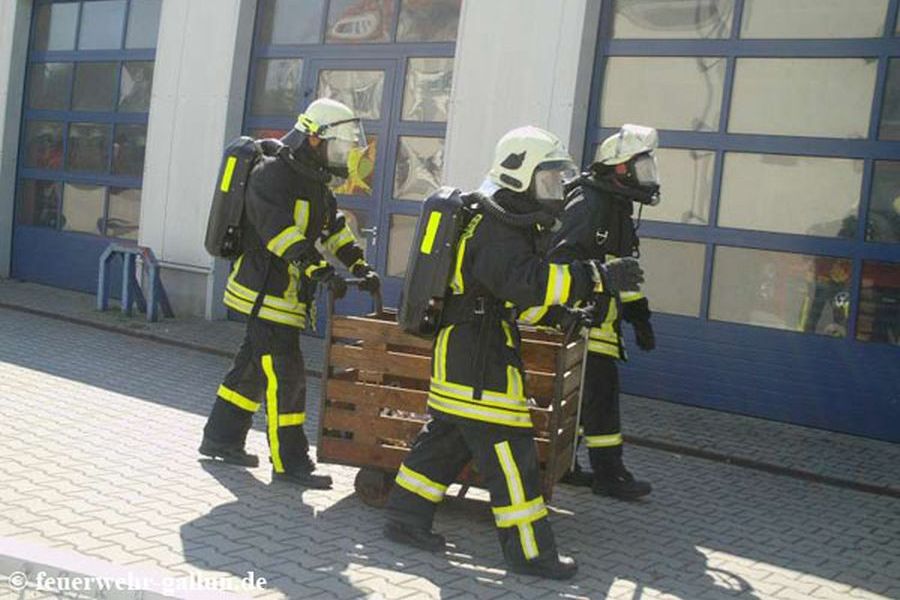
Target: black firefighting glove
371	282
643	334
328	277
617	275
570	320
637	312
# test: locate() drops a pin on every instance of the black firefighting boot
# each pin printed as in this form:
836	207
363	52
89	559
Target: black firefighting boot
548	566
611	478
417	537
233	454
303	475
577	477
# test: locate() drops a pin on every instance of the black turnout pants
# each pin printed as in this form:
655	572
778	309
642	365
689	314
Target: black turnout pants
507	460
600	410
267	370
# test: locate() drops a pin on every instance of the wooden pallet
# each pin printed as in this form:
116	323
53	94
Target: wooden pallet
374	395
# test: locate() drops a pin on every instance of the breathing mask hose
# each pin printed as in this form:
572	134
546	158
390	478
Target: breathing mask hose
519	221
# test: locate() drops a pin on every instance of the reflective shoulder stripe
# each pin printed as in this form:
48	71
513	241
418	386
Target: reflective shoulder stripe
301	214
237	399
559	284
434	221
289	236
603	441
457	284
420	484
228	174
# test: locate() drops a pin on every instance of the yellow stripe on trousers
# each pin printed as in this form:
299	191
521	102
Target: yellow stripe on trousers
516	496
272	412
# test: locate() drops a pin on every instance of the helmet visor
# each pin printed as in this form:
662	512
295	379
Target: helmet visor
350	130
646	170
550	177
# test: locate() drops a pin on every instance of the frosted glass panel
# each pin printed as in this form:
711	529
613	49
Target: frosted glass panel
673	19
818	19
674	274
686	177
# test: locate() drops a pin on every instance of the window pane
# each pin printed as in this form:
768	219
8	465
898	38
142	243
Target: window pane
134	90
674	274
818	19
890	115
426	95
433	21
791	194
403	229
83	208
143	23
95	86
781	290
124	213
291	21
261	134
360	90
359	21
48	86
639	19
276	87
686	177
102	24
56	26
88	147
420	164
879	303
774	95
39	204
669	93
884	206
43	145
362	171
128	150
356	221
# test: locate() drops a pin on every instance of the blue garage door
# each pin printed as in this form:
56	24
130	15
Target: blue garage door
774	258
392	62
81	158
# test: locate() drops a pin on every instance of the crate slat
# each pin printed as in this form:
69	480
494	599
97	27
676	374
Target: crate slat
390	363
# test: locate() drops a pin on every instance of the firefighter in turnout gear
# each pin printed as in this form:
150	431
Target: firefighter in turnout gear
288	209
477	398
597	223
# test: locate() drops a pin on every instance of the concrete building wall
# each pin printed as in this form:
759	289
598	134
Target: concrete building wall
200	81
518	62
15	16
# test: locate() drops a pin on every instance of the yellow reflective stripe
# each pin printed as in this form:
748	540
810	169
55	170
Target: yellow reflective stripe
630	296
478	412
603	441
533	315
440	354
289	236
520	514
603	348
359	262
559	284
516	496
290	419
434	221
237	399
248	295
228	174
488	398
507	332
267	313
338	240
457	284
301	215
315	267
420	485
515	387
272	412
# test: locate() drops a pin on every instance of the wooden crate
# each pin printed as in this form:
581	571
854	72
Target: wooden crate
374	395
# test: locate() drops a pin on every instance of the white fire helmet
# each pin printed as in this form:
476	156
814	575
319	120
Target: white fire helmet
529	156
336	123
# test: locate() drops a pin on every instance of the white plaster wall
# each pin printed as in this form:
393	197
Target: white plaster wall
518	62
15	16
199	85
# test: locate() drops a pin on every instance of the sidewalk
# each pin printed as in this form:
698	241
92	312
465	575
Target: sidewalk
100	477
824	456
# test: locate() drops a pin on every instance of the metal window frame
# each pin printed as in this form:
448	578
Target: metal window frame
67	117
869	150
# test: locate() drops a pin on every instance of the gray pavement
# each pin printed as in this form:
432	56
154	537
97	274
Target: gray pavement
98	434
843	459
